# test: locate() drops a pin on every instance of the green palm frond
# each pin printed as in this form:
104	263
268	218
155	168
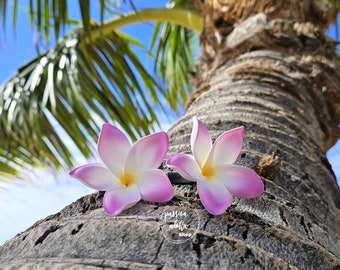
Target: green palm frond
72	86
335	3
174	49
174	60
56	103
47	16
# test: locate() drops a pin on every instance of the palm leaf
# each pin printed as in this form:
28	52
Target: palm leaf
72	87
174	54
174	49
49	15
55	103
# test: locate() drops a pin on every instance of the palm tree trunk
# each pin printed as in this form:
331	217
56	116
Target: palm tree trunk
285	141
276	77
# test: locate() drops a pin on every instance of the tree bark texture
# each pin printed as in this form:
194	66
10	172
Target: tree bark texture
276	76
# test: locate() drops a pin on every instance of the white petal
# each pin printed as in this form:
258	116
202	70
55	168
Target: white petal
96	176
214	196
155	186
113	147
240	181
200	142
227	147
148	152
115	201
186	166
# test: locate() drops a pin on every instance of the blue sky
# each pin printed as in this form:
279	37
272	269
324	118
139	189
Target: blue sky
22	204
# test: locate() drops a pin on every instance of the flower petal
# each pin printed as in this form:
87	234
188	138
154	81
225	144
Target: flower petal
200	141
155	186
214	196
117	200
148	152
240	181
113	147
186	166
96	176
227	147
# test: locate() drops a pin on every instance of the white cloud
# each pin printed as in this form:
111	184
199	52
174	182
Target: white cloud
22	204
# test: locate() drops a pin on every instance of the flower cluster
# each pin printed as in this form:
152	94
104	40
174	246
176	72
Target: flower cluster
130	173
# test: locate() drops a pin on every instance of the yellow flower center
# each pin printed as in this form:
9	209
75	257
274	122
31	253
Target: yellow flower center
127	178
208	171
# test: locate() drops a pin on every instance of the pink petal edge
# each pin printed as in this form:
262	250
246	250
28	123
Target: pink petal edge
113	147
155	186
116	201
227	147
186	166
148	152
95	176
241	181
200	141
214	196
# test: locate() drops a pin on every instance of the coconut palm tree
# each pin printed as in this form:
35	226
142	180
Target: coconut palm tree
266	65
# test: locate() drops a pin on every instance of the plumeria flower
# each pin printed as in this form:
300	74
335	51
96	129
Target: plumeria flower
211	166
129	173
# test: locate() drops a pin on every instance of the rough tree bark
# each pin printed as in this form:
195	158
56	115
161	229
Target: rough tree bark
269	67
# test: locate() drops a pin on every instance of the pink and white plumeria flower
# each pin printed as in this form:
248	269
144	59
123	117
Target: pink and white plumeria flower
129	173
211	166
